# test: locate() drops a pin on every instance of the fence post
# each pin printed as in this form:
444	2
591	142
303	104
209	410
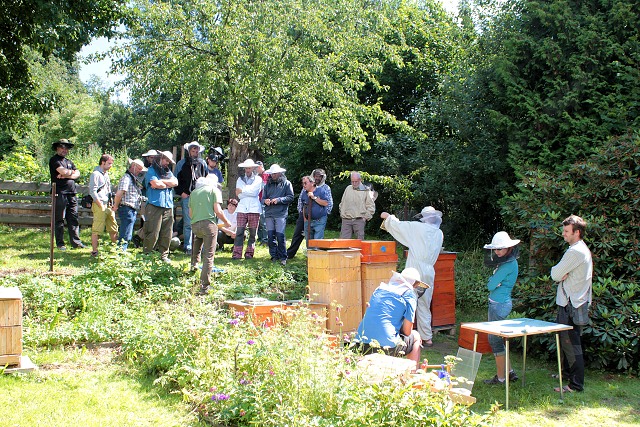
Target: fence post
53	225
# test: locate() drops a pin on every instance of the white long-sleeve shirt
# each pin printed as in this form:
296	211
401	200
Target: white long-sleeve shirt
249	198
578	265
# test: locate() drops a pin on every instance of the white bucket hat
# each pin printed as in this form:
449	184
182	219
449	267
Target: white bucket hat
137	162
501	240
249	163
431	216
275	168
188	145
210	180
412	276
150	153
168	155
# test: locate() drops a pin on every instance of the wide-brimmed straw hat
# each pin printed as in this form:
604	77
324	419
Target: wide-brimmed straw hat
249	163
501	240
188	146
139	163
210	180
150	153
168	155
275	168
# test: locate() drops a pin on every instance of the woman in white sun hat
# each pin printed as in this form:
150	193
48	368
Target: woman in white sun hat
503	255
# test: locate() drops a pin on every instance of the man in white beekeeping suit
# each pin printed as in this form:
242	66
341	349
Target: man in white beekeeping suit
423	238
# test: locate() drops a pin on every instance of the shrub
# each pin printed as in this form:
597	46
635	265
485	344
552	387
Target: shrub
605	191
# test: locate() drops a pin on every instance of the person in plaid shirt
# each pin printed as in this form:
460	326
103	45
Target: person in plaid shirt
127	201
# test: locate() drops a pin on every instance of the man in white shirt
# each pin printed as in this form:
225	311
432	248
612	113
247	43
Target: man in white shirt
574	274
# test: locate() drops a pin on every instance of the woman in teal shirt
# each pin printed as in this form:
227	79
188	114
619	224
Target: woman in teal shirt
504	256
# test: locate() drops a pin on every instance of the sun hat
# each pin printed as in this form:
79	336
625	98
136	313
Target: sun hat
139	163
210	180
501	240
150	153
412	276
188	145
431	216
275	168
168	155
249	163
61	143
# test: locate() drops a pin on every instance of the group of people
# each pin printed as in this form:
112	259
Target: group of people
394	306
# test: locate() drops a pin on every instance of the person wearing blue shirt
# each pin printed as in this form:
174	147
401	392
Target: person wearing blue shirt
212	167
315	202
387	324
503	255
158	226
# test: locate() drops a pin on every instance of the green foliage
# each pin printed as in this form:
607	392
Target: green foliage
20	165
471	280
603	190
564	78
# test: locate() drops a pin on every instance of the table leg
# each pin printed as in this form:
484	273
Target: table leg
559	365
524	360
506	380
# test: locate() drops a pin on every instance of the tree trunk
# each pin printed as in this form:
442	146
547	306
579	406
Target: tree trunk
239	150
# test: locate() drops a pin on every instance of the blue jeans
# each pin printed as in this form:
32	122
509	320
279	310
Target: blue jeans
275	236
498	311
316	229
127	217
186	224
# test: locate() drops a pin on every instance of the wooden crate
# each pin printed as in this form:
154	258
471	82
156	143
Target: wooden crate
260	314
334	279
380	258
316	309
372	274
334	243
10	326
443	301
466	337
378	247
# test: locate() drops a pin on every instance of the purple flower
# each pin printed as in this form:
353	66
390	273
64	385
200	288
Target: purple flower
219	397
240	314
271	372
234	322
348	360
244	382
251	342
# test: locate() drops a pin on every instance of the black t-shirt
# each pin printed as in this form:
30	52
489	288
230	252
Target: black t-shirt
63	185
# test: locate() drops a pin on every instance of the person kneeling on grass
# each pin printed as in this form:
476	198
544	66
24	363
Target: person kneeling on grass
388	321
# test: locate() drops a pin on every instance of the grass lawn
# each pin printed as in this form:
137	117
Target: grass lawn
92	387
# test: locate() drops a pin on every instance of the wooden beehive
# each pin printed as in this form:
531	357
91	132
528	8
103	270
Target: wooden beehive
466	337
334	243
10	326
334	279
443	302
372	274
379	251
318	311
260	313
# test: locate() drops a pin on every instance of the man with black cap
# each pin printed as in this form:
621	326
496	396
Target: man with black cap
64	174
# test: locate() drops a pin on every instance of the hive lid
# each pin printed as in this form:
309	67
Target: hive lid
255	301
10	293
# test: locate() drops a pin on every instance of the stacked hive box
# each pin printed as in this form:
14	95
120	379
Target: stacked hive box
334	279
379	260
10	326
443	302
259	312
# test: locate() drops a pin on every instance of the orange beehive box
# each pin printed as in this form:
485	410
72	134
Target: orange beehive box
334	243
10	326
372	274
334	279
378	247
443	301
259	312
466	337
315	309
368	259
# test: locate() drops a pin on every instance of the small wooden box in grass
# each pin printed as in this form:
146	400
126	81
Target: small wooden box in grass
10	326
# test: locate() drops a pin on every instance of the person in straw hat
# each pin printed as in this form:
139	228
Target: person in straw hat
159	182
248	188
277	196
388	322
424	239
188	170
128	200
205	211
503	255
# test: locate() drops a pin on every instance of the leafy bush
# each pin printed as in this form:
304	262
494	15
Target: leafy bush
605	191
471	280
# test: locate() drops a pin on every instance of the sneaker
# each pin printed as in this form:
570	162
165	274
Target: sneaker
165	260
513	376
94	253
62	248
79	246
187	252
215	269
203	291
494	380
283	262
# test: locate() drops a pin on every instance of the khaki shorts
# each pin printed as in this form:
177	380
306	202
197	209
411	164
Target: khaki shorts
103	218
